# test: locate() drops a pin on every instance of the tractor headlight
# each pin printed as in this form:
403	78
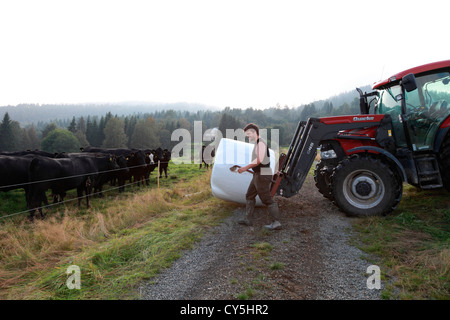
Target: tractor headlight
328	154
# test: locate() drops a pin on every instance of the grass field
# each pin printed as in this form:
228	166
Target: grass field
121	240
413	244
126	238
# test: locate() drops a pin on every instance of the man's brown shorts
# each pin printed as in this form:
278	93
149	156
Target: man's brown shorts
260	186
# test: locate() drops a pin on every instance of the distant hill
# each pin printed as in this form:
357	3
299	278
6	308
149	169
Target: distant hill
27	114
343	97
32	113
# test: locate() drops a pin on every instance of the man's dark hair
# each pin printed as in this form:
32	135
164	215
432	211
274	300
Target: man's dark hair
252	126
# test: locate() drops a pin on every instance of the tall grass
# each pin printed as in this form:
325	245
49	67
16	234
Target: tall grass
116	243
413	244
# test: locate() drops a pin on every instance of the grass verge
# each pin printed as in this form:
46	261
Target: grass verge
117	243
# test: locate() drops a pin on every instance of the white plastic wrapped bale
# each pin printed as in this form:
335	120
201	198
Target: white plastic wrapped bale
229	185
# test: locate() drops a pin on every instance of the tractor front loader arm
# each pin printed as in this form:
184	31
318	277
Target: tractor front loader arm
298	160
303	149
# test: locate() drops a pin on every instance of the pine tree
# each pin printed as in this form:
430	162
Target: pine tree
223	124
81	126
100	135
6	134
73	126
90	131
129	129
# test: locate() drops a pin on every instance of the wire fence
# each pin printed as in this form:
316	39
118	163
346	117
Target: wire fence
18	186
69	200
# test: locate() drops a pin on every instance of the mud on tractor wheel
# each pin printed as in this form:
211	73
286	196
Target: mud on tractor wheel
362	185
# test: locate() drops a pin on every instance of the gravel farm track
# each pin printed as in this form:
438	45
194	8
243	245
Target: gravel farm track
312	257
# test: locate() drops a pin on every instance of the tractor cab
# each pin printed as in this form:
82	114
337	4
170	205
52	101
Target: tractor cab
417	111
417	103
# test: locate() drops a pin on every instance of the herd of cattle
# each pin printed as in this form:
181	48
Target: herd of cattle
38	171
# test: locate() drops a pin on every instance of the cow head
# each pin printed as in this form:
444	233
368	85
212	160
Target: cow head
167	155
122	163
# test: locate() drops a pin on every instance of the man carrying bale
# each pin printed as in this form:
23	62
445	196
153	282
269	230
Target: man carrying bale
260	184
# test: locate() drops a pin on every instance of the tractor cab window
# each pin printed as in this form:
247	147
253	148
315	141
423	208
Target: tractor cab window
426	108
437	95
390	104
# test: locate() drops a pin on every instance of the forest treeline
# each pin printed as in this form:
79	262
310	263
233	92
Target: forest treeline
154	129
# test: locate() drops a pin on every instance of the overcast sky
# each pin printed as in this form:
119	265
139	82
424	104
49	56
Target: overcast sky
220	53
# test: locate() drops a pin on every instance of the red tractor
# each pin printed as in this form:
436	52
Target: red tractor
401	135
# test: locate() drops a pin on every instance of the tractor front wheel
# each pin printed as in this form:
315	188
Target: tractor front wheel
322	175
363	185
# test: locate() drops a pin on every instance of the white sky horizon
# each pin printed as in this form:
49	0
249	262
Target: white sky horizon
232	53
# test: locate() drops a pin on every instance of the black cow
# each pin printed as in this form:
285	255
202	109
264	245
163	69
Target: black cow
14	175
206	155
136	163
122	174
14	172
115	151
29	152
64	174
150	157
105	177
163	156
138	166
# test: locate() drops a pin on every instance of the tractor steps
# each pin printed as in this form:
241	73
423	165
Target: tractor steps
428	172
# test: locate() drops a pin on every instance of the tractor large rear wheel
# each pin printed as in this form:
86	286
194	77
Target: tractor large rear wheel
363	185
444	156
